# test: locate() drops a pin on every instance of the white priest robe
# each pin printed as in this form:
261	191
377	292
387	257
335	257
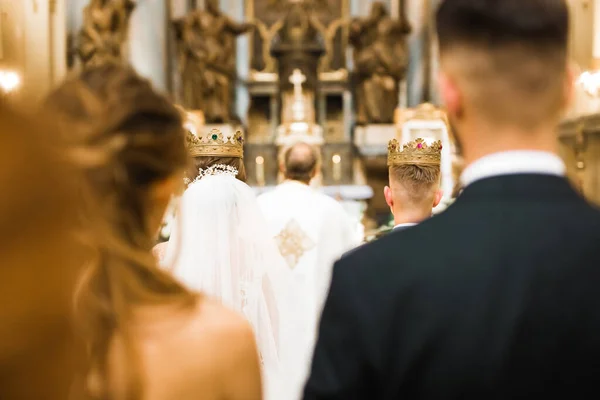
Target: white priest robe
312	231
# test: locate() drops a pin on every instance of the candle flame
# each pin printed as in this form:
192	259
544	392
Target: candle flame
9	81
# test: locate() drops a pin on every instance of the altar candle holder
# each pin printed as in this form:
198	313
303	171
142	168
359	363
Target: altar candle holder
260	170
337	168
10	81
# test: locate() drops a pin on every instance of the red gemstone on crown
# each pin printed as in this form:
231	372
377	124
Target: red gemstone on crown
420	146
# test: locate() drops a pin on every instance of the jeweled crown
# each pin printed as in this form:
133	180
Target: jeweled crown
215	144
415	152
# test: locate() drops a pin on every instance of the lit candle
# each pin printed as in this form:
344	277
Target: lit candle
260	171
9	81
337	167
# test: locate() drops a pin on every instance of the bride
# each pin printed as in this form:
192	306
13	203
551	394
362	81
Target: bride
220	246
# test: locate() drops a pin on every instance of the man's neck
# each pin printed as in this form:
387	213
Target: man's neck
415	217
298	182
483	142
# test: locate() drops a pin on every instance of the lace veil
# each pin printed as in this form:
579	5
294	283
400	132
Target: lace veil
220	245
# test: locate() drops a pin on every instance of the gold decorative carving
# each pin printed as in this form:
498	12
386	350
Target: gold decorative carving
339	75
258	76
293	242
267	34
328	32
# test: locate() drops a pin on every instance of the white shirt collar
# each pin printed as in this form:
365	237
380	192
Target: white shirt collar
291	183
405	225
513	162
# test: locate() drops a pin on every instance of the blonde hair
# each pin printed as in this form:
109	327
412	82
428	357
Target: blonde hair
126	137
418	182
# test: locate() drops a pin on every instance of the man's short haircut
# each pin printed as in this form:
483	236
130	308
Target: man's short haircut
417	183
509	53
300	162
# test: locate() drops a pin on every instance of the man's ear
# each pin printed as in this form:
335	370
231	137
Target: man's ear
438	197
450	95
387	193
314	173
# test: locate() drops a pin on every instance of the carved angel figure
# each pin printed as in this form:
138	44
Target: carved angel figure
206	47
104	31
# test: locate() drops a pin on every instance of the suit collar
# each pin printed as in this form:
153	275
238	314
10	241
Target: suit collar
511	163
527	186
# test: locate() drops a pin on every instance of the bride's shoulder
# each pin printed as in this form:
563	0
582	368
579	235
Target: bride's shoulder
223	342
213	321
211	326
206	347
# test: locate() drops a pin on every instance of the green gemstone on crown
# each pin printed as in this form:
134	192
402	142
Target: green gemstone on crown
214	136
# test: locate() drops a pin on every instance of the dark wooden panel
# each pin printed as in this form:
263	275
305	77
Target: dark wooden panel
270	12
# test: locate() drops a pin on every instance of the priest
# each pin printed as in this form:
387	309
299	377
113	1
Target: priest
312	230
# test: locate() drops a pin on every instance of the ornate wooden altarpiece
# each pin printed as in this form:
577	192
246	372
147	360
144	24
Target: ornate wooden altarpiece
329	85
330	18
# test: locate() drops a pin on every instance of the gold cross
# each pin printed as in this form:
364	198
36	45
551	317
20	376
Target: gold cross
293	242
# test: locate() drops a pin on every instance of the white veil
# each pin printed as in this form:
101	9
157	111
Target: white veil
220	246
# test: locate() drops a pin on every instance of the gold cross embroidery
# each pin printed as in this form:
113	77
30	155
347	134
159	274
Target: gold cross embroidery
293	242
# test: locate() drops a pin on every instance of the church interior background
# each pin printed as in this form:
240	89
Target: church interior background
345	75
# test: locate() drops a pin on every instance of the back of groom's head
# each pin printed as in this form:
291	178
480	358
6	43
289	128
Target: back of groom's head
413	190
504	60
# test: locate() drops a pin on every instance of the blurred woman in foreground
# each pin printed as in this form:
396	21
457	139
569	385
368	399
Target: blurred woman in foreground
149	337
40	258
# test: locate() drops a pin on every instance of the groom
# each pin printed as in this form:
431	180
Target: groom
497	297
414	177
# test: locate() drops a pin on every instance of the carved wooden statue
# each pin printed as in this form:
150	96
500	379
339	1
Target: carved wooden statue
104	31
380	62
206	46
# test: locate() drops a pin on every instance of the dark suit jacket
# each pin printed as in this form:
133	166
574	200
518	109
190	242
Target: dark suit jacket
496	298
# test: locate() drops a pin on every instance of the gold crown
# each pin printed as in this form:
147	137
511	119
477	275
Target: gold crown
216	145
415	152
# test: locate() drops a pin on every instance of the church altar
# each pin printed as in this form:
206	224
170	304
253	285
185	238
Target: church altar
333	73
